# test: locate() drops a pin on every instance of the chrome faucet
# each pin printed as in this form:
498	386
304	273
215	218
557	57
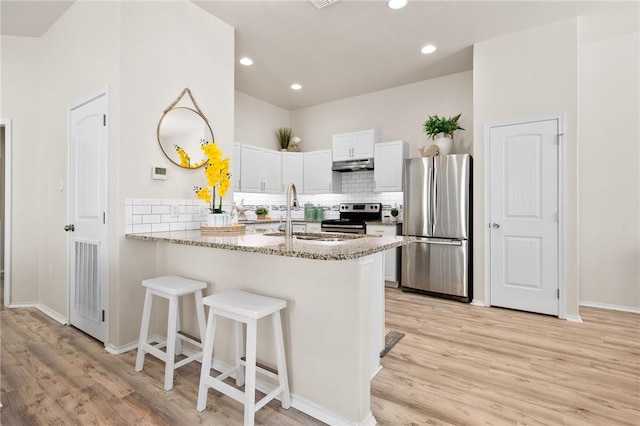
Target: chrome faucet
288	226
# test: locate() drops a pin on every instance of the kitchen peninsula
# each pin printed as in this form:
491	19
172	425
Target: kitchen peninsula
334	320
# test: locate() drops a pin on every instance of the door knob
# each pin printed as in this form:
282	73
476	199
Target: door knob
495	225
69	228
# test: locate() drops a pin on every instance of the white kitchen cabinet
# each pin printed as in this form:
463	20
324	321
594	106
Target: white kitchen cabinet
260	170
355	145
293	170
313	227
318	176
235	166
389	165
391	257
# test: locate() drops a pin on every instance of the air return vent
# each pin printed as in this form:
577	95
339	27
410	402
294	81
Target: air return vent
319	4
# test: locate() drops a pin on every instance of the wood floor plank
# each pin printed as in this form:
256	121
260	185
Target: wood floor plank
457	365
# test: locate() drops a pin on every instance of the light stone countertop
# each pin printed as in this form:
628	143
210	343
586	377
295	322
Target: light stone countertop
255	242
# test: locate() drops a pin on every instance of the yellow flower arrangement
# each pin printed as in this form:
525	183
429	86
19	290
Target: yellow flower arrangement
185	160
218	177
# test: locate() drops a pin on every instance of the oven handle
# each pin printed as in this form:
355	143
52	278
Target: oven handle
341	226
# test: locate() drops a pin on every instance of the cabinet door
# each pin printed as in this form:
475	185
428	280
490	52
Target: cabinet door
342	145
313	227
389	162
271	171
362	144
318	176
250	160
390	256
236	166
293	170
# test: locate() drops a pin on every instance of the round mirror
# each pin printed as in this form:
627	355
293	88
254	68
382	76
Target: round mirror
181	132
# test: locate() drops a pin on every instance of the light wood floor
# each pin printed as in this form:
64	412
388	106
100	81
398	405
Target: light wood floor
457	364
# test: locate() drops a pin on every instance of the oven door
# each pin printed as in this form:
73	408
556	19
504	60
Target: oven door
343	228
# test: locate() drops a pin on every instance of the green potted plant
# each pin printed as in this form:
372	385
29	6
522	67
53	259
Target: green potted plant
284	136
440	130
394	214
261	213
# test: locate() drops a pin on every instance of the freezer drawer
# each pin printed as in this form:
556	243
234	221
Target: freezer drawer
437	266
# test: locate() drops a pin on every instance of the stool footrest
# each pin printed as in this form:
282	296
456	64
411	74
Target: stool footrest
189	338
153	350
215	383
187	360
261	368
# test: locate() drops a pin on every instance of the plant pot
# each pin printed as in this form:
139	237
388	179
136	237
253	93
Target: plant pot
261	216
217	219
444	144
283	149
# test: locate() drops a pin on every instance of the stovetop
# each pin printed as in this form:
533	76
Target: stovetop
357	213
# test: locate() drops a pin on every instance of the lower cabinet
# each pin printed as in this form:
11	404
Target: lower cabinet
391	257
313	227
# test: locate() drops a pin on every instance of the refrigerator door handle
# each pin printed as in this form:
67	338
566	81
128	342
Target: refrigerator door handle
434	197
439	242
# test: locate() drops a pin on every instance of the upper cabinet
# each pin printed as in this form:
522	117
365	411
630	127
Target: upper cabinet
355	145
388	165
318	176
292	170
261	170
235	166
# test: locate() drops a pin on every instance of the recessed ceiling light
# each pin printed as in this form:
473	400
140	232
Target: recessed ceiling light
429	48
296	86
246	61
397	4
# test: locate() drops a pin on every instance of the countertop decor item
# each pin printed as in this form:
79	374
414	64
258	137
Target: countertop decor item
261	213
429	151
440	130
217	172
284	136
293	144
394	214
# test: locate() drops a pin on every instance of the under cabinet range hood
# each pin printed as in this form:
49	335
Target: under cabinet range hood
353	165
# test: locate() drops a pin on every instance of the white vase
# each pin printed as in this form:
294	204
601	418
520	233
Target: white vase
217	219
444	144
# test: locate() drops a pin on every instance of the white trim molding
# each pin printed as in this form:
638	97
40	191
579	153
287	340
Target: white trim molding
622	308
42	308
8	153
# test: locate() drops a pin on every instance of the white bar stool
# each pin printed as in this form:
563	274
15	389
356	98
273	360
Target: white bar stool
170	287
244	308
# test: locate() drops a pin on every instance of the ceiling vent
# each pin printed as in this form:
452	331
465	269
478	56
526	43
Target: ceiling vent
320	4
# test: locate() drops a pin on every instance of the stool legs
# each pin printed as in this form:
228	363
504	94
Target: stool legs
172	333
283	378
207	354
202	325
144	330
250	377
239	353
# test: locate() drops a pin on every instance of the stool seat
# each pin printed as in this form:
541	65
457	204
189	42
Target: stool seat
174	285
170	287
245	304
245	309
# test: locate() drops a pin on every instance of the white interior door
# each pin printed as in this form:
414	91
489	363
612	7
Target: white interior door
524	228
88	255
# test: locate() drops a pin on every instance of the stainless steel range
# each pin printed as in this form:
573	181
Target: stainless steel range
353	217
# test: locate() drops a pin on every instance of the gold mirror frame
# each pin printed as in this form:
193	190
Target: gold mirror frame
181	131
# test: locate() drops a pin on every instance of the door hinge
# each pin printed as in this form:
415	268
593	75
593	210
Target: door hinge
104	119
560	135
104	217
103	315
558	217
558	293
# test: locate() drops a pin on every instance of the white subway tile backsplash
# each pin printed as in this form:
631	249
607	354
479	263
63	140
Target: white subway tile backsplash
146	227
160	209
151	218
185	218
141	209
177	226
160	227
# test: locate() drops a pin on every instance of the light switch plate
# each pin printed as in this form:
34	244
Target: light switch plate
158	173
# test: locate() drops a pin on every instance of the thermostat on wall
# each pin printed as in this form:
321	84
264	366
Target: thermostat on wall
159	173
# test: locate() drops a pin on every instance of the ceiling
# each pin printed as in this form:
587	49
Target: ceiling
350	47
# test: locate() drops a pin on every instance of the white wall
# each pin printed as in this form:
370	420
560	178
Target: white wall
399	113
528	74
256	121
609	165
19	102
145	53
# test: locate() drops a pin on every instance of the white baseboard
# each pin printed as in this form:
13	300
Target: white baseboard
573	318
476	302
621	308
44	309
118	350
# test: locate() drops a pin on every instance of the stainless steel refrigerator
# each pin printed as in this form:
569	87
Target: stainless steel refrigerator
437	210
